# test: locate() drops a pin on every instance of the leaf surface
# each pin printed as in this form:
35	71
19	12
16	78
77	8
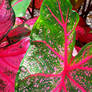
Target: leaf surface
48	64
31	22
20	7
10	58
17	34
6	18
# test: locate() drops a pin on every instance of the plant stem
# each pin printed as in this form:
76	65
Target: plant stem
33	8
29	11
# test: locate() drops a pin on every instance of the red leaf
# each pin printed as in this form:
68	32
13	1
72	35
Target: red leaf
17	34
10	59
6	17
18	21
31	22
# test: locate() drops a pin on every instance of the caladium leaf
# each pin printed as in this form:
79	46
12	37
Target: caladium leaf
18	21
17	34
10	58
83	73
31	22
6	17
20	7
48	64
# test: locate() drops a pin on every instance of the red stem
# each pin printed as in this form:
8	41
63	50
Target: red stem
66	44
60	12
85	68
64	87
43	75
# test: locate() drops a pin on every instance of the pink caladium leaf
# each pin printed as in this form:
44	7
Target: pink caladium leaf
31	22
6	17
83	32
10	58
48	65
18	21
17	34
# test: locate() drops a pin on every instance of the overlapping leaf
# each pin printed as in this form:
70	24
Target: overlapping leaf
17	34
20	7
6	17
83	73
10	58
47	66
31	22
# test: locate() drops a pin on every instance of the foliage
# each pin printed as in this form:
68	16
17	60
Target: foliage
10	58
48	65
13	46
20	7
37	3
6	18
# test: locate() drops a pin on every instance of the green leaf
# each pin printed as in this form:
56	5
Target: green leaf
45	65
82	67
34	63
20	7
48	29
84	52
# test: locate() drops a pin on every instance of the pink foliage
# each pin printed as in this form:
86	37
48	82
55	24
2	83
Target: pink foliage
17	34
18	21
10	58
10	55
6	17
31	22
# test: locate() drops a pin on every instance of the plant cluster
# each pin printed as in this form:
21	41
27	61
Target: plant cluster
50	51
